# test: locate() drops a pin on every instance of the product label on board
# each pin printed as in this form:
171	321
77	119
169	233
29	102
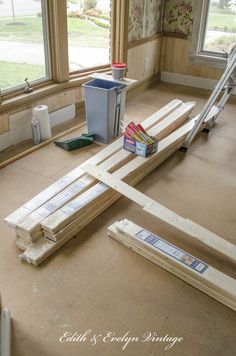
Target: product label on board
48	193
84	198
61	198
172	251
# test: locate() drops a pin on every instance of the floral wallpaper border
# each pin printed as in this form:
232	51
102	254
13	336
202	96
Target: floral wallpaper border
145	18
178	16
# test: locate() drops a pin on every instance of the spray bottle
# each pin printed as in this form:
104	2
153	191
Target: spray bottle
35	130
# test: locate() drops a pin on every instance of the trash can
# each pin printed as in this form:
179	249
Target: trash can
105	107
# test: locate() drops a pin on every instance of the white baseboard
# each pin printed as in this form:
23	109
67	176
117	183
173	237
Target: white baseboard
189	80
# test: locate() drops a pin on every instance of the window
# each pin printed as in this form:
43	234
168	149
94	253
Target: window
23	43
214	31
89	28
58	41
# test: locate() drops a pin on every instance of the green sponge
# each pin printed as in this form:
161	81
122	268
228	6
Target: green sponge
76	142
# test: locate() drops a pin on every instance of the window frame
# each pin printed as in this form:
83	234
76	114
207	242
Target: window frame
197	54
61	79
105	65
47	57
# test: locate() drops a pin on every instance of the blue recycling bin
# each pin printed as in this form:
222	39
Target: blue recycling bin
105	107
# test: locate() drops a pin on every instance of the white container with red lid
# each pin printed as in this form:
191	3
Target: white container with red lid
118	70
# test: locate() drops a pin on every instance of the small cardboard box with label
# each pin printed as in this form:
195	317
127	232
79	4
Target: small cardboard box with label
137	141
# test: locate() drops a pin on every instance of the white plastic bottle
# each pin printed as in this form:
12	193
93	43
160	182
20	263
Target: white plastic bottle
35	127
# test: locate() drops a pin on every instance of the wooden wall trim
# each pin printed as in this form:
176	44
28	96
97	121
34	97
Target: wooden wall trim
22	101
144	40
124	30
4	124
176	35
120	24
154	37
115	29
58	40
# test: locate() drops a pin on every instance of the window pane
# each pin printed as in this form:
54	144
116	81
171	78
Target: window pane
88	33
221	26
22	49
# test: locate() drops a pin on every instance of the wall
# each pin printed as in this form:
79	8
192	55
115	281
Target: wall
144	49
178	16
10	123
176	45
144	60
149	52
145	18
175	59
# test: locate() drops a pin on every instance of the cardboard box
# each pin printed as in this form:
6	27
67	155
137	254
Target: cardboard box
140	149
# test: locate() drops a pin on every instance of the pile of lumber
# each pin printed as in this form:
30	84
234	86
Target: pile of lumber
55	215
162	213
176	261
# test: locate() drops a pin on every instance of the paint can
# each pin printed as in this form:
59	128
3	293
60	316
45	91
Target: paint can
118	70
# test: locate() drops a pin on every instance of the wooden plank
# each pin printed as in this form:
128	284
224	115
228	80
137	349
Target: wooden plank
57	16
144	40
124	31
61	217
40	145
176	261
75	174
22	244
41	250
159	211
29	226
4	123
175	59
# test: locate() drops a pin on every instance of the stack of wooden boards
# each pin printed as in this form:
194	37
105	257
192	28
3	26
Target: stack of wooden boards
55	215
5	331
175	221
185	266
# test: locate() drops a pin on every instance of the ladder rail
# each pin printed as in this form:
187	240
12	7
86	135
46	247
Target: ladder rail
209	104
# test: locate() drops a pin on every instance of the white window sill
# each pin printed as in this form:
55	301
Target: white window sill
209	60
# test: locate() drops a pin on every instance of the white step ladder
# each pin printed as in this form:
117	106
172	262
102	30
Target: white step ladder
226	84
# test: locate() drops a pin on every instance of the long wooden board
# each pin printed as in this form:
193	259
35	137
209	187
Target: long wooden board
41	250
62	216
34	148
176	261
159	211
75	174
29	226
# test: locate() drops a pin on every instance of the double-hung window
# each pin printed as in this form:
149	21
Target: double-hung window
214	29
24	50
58	40
89	33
